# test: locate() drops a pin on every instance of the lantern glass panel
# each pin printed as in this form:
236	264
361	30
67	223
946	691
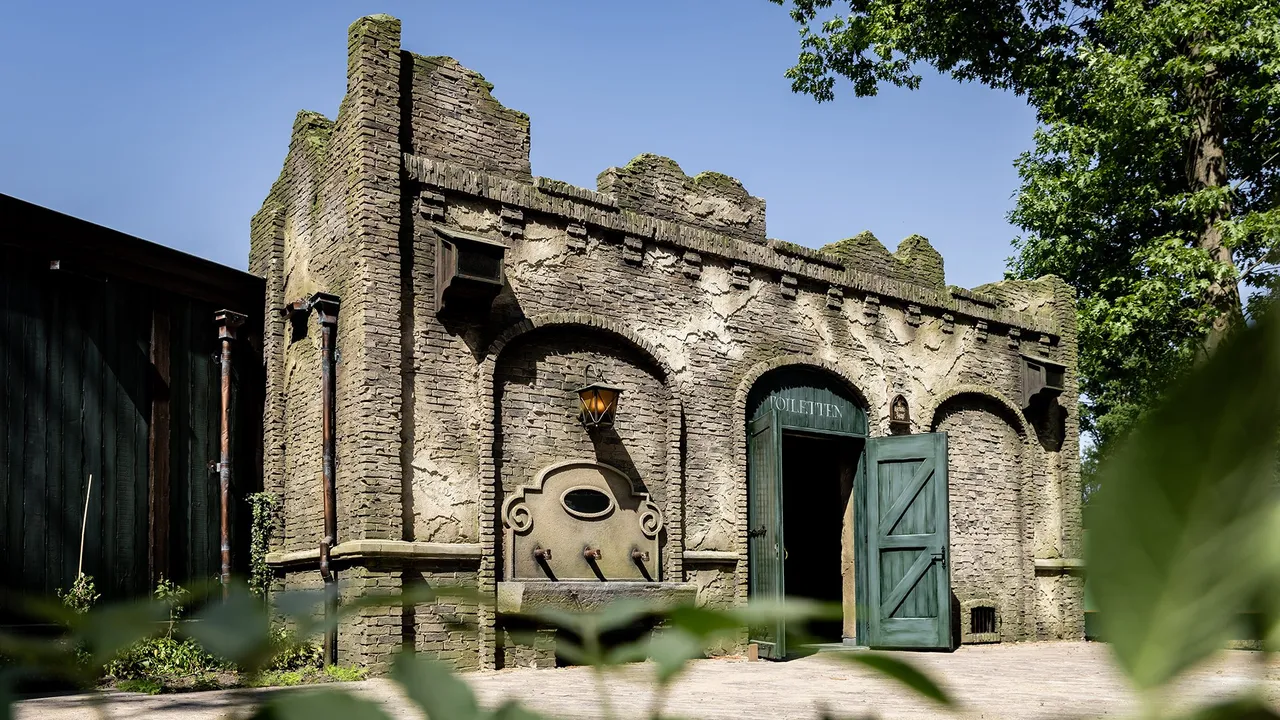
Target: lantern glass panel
598	402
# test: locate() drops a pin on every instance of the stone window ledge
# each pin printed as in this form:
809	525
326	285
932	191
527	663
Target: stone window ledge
1059	566
710	557
358	550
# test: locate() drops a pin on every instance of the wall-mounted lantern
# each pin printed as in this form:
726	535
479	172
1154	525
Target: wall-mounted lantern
597	400
899	415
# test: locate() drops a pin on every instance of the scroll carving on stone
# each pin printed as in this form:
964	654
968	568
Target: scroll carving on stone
581	520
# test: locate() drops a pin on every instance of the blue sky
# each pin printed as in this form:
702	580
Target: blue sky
170	120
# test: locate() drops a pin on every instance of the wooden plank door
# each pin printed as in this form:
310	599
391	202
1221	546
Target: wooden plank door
909	596
764	529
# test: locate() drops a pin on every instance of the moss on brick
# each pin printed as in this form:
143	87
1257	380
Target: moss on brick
719	181
851	250
923	263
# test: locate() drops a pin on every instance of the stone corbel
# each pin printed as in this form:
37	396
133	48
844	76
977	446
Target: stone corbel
632	249
741	276
431	205
789	286
835	297
692	265
577	241
981	327
512	222
871	306
948	323
913	315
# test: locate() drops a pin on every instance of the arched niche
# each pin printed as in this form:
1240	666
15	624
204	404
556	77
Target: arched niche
989	484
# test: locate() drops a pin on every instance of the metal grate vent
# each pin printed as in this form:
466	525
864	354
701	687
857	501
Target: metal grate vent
979	621
982	620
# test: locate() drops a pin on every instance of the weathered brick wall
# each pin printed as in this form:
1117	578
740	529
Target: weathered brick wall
523	645
656	186
990	544
453	115
447	628
538	409
668	283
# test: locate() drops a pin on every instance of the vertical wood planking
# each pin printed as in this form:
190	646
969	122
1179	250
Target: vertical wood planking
158	450
71	438
95	377
13	408
54	536
108	539
34	480
134	411
200	477
84	369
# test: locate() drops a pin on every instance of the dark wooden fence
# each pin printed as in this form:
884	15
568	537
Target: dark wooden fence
116	376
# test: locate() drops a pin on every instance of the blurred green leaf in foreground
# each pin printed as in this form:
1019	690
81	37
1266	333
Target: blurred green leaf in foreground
1183	533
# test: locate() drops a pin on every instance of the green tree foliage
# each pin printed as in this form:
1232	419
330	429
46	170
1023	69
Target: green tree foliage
1154	181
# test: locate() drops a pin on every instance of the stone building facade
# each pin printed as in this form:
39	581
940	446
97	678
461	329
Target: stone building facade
456	411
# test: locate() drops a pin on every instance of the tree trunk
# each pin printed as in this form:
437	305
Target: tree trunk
1207	169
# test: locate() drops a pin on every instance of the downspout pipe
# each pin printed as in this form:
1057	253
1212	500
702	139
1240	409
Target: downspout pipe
326	309
227	322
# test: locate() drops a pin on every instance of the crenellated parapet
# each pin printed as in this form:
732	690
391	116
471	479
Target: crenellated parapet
915	279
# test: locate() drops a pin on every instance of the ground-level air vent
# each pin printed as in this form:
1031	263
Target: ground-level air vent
980	622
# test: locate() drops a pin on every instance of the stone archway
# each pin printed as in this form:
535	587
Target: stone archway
805	431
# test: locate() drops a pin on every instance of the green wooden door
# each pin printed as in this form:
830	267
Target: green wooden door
909	582
764	523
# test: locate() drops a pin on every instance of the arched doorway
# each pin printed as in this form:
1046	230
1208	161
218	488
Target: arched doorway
836	516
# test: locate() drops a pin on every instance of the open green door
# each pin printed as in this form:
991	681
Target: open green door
764	528
909	584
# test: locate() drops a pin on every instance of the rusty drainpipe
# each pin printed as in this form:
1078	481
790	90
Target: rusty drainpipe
326	307
227	323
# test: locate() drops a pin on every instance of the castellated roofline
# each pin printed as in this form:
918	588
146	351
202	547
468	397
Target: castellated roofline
603	212
455	135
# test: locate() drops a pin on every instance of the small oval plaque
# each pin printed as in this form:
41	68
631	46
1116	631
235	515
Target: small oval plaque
586	502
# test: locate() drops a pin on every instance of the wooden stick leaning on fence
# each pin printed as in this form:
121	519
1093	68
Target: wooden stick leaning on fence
83	524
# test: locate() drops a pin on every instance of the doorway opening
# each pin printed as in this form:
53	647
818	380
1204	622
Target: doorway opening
817	493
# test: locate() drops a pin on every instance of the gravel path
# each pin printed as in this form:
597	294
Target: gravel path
1031	680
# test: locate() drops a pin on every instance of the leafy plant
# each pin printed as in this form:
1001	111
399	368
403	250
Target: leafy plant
81	596
344	673
290	653
265	508
173	595
148	686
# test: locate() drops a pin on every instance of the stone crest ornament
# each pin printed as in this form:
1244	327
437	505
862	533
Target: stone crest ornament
899	415
581	520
